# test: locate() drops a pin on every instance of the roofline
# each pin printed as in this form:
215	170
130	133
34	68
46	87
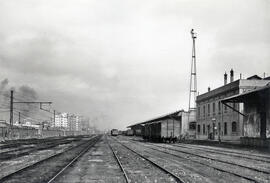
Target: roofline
267	86
157	118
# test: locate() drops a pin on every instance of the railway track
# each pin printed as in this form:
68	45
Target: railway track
228	153
44	170
215	159
249	178
22	151
119	163
166	171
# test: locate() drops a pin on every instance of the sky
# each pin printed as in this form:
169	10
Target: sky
120	62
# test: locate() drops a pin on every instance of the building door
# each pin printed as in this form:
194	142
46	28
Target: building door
263	125
214	131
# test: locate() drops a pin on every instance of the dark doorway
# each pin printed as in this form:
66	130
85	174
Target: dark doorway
263	125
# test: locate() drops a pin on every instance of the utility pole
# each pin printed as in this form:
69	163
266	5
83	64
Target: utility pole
12	103
19	117
53	118
11	108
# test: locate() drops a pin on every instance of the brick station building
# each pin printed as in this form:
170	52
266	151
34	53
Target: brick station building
216	121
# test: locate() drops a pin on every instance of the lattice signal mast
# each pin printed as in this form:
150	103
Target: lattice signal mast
193	76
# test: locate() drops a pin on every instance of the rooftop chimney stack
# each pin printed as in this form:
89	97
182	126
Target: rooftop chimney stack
225	78
231	76
209	89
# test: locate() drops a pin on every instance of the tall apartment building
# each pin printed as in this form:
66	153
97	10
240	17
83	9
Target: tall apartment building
75	122
61	120
217	121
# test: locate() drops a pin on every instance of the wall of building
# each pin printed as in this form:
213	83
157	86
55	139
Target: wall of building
252	120
217	121
214	122
18	133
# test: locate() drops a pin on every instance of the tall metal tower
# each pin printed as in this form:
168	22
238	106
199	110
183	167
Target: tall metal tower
193	76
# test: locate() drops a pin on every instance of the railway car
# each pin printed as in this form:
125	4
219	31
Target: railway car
114	132
129	132
162	131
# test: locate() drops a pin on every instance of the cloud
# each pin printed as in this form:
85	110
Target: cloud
126	61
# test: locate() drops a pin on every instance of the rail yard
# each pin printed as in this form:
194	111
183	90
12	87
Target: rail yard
122	158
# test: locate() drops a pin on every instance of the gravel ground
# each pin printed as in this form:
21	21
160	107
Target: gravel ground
261	165
137	168
186	164
262	158
97	165
9	166
45	170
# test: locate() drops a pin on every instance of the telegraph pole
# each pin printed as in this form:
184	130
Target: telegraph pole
53	118
19	117
12	103
11	108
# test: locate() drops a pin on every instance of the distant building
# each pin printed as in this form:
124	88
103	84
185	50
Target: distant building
217	121
61	120
75	122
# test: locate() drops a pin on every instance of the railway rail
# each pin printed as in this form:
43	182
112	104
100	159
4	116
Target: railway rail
263	158
51	164
176	178
119	163
26	150
249	178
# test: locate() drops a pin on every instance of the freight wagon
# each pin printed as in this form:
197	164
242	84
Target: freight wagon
162	131
129	132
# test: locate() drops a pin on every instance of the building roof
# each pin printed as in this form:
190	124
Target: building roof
217	91
267	78
254	77
170	115
255	94
233	86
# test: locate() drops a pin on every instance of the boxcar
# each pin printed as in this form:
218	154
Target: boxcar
162	131
114	132
129	132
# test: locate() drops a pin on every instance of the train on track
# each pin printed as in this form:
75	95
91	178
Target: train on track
114	132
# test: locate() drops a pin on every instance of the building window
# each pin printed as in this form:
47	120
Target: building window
225	108
208	109
225	128
199	129
204	129
199	112
219	107
234	127
192	126
204	111
214	108
219	128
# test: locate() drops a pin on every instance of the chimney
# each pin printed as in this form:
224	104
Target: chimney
231	76
209	89
225	78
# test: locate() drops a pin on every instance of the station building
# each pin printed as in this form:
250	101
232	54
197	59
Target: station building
256	115
216	121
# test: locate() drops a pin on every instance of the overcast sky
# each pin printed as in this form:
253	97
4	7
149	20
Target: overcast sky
124	61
